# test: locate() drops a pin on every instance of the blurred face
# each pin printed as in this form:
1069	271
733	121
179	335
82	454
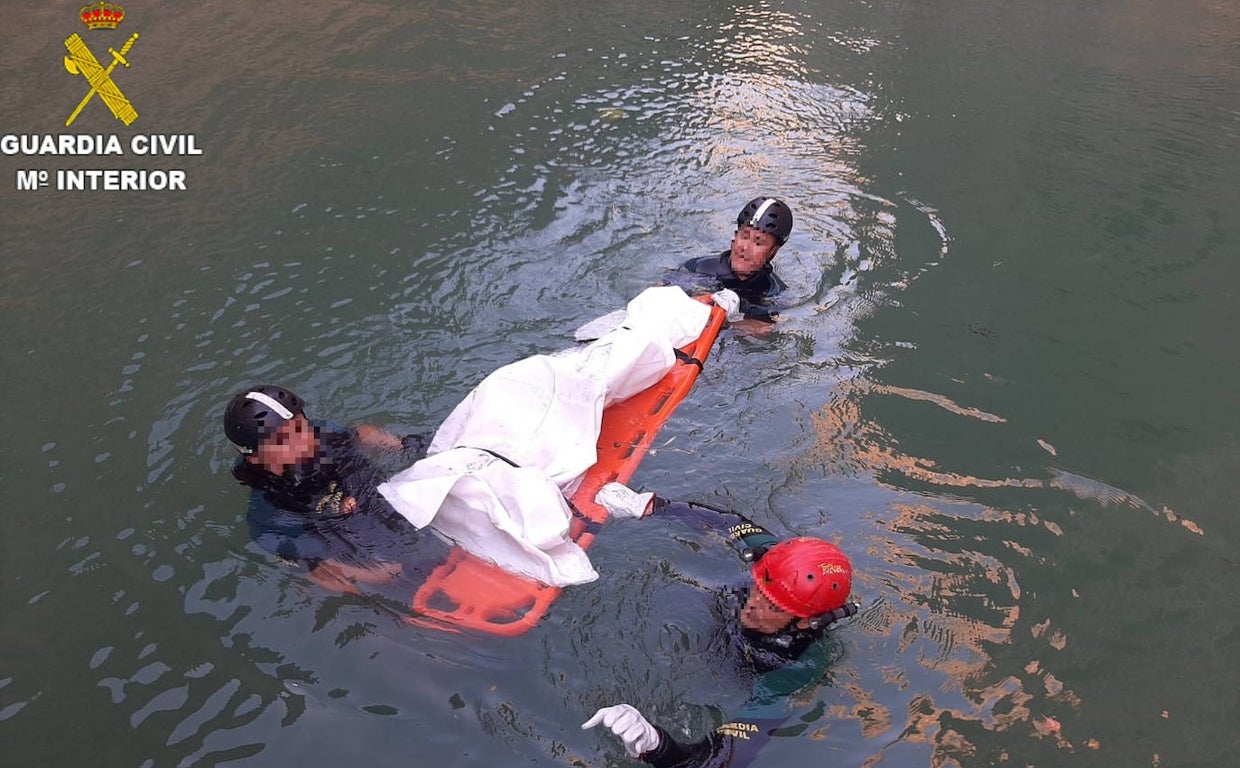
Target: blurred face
761	615
289	445
752	249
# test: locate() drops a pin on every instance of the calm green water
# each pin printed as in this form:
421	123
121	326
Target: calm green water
1006	384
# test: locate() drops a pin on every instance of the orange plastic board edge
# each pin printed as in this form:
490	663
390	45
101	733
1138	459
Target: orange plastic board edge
467	592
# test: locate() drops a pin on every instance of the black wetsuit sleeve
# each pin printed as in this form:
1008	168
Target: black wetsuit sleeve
737	742
757	295
734	744
671	754
695	277
743	534
707	274
753	311
777	286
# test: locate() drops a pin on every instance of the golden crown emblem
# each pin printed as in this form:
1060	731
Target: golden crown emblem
102	15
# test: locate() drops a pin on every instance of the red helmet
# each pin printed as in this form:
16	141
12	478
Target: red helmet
804	576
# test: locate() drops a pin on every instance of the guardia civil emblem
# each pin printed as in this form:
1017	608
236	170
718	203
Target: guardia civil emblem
81	61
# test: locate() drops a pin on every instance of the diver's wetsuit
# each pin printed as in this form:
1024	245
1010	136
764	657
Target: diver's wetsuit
714	273
781	664
297	516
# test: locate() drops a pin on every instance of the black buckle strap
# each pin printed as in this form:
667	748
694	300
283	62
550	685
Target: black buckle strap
685	357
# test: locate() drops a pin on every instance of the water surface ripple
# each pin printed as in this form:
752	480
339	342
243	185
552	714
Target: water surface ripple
1001	382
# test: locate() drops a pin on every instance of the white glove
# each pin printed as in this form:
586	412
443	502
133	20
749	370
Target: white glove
620	501
600	326
638	735
729	302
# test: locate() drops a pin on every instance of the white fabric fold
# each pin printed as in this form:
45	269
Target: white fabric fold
543	415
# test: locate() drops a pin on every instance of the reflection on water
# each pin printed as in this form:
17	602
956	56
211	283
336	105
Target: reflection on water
949	590
849	444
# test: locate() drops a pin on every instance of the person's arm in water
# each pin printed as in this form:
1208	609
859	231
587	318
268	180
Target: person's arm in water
373	443
294	539
735	743
379	441
748	538
757	306
376	439
343	578
755	327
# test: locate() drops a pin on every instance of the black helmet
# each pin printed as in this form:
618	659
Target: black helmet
768	215
257	411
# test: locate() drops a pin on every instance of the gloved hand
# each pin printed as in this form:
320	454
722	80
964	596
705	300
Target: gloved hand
620	501
601	326
638	735
729	302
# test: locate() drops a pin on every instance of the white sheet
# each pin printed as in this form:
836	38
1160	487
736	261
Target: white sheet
543	414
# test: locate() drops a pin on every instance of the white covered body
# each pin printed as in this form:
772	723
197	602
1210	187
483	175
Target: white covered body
543	415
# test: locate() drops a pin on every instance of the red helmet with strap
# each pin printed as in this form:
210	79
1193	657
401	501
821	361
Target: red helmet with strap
804	576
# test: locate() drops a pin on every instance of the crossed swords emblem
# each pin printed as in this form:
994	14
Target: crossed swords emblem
81	61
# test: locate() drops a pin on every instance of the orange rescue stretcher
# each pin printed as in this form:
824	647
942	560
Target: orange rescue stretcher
467	592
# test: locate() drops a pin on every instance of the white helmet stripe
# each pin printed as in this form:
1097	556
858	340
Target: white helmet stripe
271	403
758	214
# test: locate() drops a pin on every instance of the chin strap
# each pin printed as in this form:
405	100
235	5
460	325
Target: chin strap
830	617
